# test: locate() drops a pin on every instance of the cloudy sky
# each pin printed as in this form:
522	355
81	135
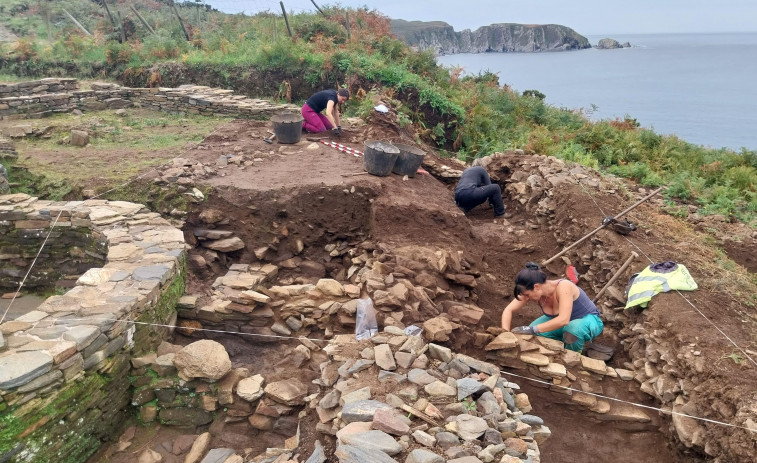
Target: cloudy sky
587	17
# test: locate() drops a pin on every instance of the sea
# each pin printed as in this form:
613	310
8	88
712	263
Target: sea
699	87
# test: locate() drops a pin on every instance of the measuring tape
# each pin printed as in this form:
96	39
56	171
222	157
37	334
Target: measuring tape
342	148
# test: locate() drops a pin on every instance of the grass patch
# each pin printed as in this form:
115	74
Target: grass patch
141	140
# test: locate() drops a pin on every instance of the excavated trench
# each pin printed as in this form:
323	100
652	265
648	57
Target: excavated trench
318	232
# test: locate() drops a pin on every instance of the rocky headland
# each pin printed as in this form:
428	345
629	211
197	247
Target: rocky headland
503	38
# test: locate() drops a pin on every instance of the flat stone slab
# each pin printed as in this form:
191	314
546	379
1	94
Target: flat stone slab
218	455
467	387
362	410
505	340
376	440
151	272
20	368
354	454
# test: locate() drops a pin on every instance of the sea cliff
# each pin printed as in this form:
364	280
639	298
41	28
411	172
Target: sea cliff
505	37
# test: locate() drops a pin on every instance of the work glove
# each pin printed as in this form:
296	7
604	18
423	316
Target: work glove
338	131
525	330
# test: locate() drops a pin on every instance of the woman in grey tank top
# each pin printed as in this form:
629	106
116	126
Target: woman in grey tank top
568	314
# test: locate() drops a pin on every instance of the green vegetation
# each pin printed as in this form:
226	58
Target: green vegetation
470	117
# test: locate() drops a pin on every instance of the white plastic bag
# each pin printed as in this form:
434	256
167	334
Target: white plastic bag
365	319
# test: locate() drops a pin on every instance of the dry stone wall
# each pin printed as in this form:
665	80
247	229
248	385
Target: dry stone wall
72	247
191	99
64	366
38	87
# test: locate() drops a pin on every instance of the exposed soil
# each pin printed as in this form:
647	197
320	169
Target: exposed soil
313	189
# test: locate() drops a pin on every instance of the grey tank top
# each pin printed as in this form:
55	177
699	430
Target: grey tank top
582	306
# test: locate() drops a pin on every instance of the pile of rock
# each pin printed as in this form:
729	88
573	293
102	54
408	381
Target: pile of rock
442	406
409	286
458	406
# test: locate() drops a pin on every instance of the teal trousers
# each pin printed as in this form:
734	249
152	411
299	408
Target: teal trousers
585	329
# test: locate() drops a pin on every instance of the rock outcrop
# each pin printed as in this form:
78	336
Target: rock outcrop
608	44
505	37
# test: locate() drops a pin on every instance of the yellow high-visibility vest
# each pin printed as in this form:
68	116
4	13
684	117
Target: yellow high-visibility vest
658	278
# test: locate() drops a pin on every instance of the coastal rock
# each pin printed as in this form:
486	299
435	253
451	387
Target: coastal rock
505	37
608	44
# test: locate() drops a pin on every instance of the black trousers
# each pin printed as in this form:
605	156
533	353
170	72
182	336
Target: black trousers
475	187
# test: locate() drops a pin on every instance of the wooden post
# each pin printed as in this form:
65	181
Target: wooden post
121	26
347	25
78	24
45	9
141	19
317	8
110	15
286	20
590	234
616	276
181	22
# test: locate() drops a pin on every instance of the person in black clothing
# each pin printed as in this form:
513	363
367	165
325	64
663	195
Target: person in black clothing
315	122
475	187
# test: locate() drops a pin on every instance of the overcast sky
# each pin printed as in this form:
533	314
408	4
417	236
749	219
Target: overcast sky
587	17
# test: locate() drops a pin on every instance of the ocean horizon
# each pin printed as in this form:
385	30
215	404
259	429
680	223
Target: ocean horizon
698	87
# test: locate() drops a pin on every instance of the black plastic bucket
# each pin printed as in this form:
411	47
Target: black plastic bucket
408	161
379	157
287	127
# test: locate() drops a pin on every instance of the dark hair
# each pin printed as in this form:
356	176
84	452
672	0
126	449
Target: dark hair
528	277
344	92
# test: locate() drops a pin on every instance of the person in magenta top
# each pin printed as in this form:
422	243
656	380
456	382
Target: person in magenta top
327	100
568	313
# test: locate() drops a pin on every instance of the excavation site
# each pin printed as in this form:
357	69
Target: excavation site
248	300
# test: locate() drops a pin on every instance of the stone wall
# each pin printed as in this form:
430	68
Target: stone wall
184	99
38	87
64	367
72	247
7	149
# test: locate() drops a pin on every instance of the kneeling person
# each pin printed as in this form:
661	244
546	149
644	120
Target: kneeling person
475	187
568	313
327	100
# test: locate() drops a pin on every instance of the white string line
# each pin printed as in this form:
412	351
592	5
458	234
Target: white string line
61	321
684	297
21	285
699	311
671	412
291	338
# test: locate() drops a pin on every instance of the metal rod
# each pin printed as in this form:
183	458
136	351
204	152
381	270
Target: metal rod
616	276
144	22
78	24
628	209
286	20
